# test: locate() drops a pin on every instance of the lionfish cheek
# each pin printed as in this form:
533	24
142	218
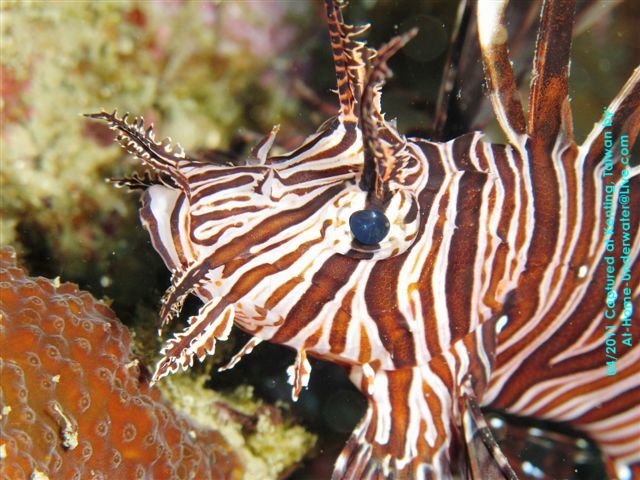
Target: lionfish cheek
159	204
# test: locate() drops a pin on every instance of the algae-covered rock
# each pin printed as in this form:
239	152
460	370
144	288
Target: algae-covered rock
199	70
267	443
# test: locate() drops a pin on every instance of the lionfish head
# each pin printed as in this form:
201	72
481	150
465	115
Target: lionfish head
349	190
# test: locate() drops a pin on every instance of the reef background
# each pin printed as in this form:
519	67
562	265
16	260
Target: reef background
212	75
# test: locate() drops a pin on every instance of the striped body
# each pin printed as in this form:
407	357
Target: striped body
488	288
552	354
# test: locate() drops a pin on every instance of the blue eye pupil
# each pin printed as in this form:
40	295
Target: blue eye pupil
369	226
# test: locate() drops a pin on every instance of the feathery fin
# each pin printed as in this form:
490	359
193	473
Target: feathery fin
212	323
246	350
183	282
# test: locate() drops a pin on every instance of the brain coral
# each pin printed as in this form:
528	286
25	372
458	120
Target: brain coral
75	404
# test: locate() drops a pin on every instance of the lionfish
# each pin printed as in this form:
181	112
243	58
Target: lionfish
445	276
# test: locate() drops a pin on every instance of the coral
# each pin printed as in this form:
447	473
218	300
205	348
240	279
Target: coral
75	404
177	62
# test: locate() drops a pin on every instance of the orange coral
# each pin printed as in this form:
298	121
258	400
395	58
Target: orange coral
73	401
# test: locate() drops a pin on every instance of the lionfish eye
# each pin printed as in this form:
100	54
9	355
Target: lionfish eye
369	226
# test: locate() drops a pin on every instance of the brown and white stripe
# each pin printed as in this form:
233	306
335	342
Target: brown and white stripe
488	288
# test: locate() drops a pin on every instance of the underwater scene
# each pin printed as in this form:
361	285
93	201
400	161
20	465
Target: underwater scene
319	239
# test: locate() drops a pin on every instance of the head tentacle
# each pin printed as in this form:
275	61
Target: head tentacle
382	159
350	59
